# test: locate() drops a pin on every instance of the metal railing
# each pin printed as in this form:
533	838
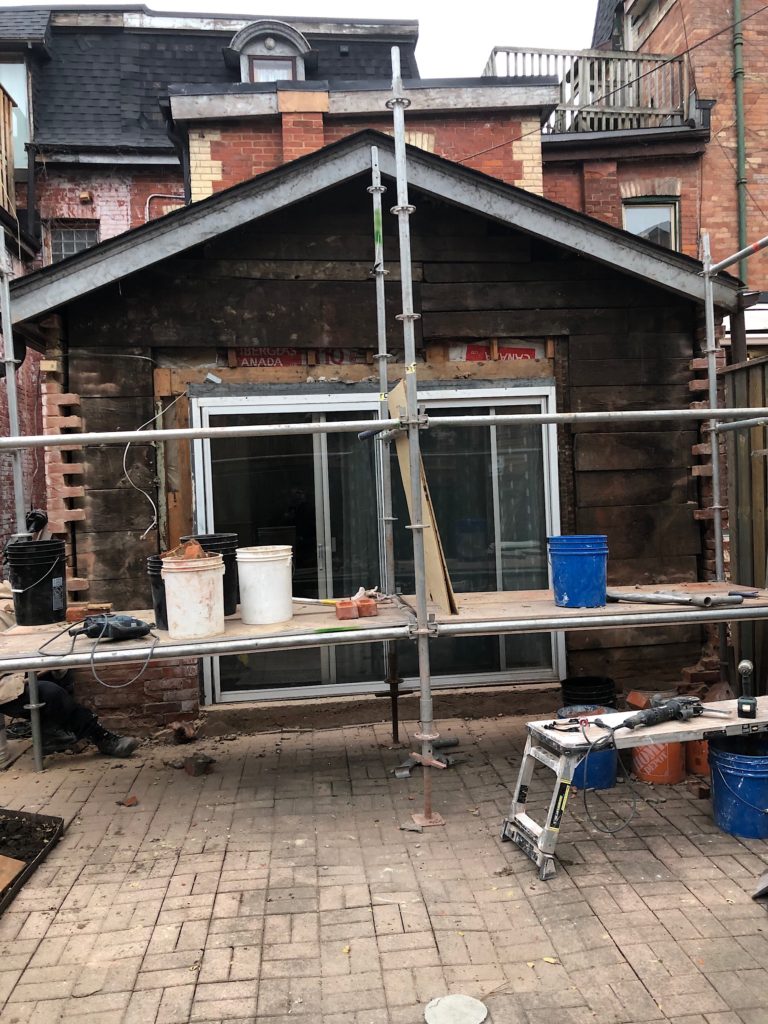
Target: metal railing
602	90
7	185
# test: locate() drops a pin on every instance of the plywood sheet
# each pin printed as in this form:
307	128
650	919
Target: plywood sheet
439	589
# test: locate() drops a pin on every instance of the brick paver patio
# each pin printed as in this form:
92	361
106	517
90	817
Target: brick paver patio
280	889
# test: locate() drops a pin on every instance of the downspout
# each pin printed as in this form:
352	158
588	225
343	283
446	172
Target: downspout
741	155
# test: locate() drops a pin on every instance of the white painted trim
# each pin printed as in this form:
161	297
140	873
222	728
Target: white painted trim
108	158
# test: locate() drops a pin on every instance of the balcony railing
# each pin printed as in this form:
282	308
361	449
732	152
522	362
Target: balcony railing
7	186
602	90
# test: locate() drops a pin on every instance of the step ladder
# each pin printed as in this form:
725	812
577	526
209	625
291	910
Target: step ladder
538	842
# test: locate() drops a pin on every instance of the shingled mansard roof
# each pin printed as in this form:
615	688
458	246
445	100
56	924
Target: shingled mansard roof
24	24
106	68
54	286
605	18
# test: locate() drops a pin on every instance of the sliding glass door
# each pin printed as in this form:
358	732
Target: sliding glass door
495	502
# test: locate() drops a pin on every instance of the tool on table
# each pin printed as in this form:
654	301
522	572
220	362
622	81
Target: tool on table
106	627
662	597
403	771
112	627
746	707
679	709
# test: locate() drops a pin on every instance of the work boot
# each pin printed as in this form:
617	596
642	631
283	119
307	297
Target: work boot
116	746
55	741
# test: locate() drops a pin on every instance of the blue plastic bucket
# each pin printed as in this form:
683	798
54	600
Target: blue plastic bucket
579	570
739	766
598	771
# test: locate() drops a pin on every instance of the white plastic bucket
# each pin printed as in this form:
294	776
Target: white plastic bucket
194	596
265	584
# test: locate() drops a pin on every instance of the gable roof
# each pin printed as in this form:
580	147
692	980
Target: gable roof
135	250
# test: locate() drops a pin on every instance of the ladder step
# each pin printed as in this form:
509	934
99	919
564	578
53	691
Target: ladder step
550	760
528	825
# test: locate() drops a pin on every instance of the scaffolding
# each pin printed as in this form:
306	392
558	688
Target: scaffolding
420	627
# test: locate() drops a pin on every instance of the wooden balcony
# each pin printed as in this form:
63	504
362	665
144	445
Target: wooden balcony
602	90
7	185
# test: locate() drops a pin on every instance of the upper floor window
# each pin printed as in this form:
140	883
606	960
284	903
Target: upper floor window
272	69
269	51
13	78
654	220
68	237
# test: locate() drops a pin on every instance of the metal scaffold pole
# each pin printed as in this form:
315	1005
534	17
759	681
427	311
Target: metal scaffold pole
377	190
714	441
10	364
427	733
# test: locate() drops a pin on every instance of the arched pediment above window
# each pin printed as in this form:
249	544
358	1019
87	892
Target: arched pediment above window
268	51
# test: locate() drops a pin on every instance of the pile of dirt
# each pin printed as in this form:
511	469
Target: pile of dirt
22	838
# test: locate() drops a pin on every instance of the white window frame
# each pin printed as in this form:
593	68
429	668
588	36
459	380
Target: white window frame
265	404
671	203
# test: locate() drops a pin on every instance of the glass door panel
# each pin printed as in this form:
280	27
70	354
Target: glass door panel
265	489
352	539
522	531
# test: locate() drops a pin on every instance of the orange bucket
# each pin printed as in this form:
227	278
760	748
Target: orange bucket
661	763
697	757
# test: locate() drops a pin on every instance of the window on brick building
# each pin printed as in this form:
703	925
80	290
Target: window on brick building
272	69
655	220
68	237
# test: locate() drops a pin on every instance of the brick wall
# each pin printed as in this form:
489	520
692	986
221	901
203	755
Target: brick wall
167	691
30	422
116	199
599	188
233	151
686	24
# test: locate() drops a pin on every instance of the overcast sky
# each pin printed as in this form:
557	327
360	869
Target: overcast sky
454	40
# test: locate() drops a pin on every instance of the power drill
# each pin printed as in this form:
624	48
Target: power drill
112	627
680	709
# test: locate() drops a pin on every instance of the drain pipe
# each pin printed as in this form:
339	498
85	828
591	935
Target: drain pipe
741	154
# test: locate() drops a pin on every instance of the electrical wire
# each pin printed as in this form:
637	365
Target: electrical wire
128	476
606	743
110	686
139	674
607	95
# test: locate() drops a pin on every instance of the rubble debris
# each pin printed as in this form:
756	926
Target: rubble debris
130	801
198	764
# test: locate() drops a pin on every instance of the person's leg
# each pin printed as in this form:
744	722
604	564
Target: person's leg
62	712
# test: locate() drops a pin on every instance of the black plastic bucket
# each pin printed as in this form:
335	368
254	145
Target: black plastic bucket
223	544
589	690
37	572
157	583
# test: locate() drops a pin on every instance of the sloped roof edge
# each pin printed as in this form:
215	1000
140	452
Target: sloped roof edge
51	287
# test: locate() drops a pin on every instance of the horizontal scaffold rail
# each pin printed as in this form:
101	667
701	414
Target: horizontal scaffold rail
359	426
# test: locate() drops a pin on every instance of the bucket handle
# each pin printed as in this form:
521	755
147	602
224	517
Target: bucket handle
15	590
754	807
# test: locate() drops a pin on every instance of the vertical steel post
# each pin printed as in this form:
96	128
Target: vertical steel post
34	720
377	190
714	440
9	359
427	733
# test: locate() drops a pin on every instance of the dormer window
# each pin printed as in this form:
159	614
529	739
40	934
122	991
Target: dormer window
270	51
272	69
